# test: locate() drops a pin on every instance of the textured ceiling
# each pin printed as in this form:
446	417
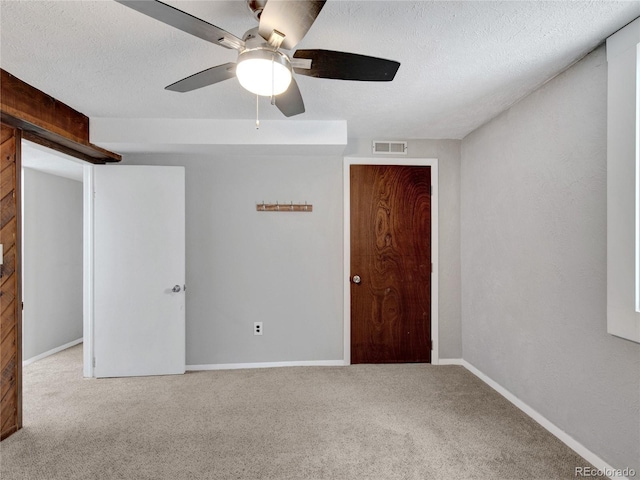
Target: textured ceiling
461	62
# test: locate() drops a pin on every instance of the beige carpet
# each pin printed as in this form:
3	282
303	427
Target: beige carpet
360	422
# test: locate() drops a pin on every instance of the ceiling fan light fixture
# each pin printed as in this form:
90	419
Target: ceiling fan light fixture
264	72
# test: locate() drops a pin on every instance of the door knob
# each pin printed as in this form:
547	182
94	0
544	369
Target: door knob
356	279
176	289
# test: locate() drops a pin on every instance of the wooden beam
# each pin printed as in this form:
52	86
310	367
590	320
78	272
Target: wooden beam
47	121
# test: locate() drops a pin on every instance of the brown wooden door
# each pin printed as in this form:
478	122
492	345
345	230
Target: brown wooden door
10	299
391	253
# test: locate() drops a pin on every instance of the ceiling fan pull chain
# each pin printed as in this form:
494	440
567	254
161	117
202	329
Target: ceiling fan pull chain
257	113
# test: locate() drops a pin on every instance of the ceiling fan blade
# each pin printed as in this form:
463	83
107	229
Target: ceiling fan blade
204	78
292	18
290	103
347	66
185	22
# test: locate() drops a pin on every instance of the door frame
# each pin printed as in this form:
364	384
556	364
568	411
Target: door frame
346	182
88	289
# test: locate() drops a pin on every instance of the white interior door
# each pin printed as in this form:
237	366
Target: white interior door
139	260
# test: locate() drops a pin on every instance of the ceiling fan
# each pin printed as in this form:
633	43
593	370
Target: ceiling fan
262	67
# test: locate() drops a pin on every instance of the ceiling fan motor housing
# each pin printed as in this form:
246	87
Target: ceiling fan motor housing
258	47
267	62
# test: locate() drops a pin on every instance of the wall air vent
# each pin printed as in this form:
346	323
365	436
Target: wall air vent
386	147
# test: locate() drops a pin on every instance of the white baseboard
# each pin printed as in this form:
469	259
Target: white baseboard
51	352
563	436
237	366
450	361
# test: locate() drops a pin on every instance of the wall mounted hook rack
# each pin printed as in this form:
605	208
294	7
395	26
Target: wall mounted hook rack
284	207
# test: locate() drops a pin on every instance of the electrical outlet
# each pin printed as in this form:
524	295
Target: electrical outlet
257	328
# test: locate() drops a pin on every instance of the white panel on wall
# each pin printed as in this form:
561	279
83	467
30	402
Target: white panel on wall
623	184
230	137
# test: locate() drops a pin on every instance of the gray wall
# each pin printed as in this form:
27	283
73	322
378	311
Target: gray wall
286	269
448	154
52	262
534	264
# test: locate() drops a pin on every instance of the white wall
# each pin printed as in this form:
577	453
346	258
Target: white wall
283	269
534	264
448	154
52	262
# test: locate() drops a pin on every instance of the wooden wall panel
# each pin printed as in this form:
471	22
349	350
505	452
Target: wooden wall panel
10	303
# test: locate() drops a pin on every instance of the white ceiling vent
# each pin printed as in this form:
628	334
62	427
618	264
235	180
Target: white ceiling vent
386	147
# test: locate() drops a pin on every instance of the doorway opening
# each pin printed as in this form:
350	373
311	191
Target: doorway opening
52	251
